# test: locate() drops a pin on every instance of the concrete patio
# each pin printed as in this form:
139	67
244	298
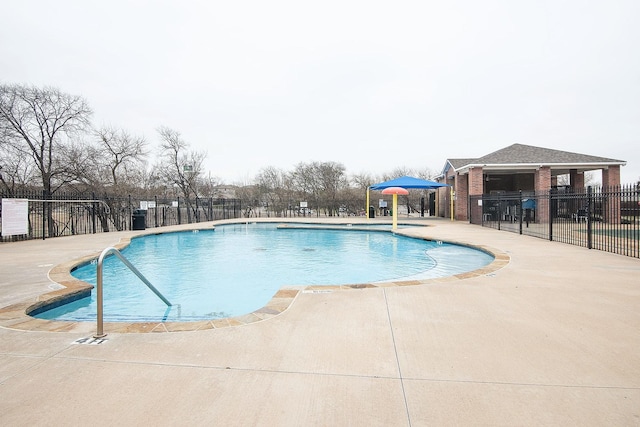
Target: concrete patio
550	338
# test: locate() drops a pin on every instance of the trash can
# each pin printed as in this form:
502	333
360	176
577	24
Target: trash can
372	212
138	219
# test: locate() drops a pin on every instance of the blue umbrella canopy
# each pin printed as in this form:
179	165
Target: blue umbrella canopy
408	182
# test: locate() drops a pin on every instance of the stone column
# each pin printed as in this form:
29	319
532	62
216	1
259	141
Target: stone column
476	189
542	182
576	180
461	200
611	188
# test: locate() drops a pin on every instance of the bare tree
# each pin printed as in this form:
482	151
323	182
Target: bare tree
400	171
120	154
273	189
79	159
38	123
425	173
114	167
249	196
210	186
181	167
16	171
332	179
306	184
356	195
363	181
321	182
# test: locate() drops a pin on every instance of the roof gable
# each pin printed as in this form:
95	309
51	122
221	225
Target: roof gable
458	163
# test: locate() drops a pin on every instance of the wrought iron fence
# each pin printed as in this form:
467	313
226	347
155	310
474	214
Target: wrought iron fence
603	218
65	214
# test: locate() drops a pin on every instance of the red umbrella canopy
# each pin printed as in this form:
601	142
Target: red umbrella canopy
395	190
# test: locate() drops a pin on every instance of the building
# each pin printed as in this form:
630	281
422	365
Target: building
517	167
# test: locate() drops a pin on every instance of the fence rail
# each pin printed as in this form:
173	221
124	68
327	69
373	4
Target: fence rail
603	218
71	214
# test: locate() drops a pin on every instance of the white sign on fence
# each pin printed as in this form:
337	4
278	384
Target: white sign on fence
15	217
147	204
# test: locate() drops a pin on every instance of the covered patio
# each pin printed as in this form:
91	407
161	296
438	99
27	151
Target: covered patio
518	167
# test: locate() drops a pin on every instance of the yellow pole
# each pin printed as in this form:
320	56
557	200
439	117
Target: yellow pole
366	208
451	204
395	212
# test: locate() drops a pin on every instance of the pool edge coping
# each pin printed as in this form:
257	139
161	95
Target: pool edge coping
15	316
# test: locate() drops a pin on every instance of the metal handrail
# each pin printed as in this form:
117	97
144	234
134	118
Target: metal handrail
100	331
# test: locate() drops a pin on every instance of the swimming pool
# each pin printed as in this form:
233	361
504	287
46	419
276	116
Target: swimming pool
235	269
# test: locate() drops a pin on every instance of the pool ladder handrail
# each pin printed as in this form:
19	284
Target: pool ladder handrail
111	250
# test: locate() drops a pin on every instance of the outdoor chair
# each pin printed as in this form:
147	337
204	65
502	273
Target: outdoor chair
580	215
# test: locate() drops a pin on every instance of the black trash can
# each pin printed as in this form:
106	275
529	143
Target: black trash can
138	219
372	212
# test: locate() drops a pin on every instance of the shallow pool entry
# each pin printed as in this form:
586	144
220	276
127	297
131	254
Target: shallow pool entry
235	269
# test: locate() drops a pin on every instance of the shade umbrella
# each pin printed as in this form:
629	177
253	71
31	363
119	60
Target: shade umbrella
395	191
408	182
404	182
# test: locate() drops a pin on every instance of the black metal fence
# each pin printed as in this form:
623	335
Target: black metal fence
603	218
66	214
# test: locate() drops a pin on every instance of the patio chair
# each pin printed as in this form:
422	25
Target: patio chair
580	215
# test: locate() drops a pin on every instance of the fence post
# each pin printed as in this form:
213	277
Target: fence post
520	209
499	210
93	212
551	209
44	214
588	213
179	217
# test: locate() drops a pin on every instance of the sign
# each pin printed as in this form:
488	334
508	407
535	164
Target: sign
15	217
144	205
382	203
303	204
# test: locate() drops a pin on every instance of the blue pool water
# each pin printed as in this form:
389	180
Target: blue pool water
236	269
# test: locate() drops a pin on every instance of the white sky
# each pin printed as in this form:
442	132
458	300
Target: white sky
373	85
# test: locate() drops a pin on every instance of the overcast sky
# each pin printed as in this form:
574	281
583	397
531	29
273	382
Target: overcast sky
372	85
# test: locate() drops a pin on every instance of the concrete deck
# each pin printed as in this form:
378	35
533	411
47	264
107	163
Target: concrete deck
551	338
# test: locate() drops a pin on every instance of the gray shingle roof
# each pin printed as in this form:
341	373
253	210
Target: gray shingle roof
527	154
520	153
458	163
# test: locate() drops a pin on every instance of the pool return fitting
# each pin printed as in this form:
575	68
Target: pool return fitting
108	251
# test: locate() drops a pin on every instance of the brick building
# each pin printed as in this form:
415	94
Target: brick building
517	167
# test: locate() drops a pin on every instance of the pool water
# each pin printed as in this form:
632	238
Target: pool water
237	268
